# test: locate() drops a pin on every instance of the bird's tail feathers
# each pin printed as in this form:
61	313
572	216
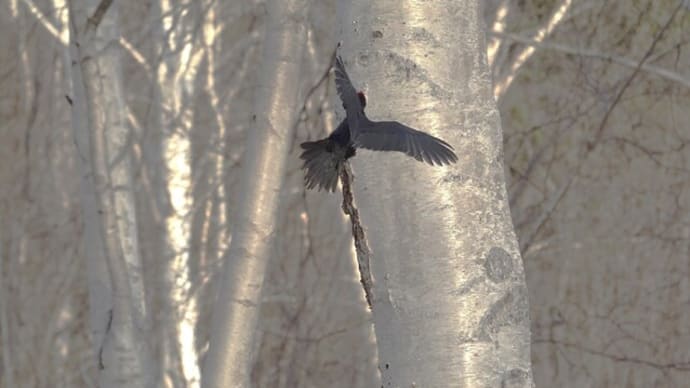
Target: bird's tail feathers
321	166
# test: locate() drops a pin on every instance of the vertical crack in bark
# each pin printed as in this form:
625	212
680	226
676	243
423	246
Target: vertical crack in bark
361	245
109	324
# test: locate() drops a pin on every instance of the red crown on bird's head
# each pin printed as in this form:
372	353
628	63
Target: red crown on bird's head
362	98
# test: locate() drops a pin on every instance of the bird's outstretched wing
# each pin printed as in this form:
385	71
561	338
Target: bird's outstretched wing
322	167
348	95
393	136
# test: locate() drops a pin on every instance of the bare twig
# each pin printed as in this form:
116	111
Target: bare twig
664	366
546	215
98	14
628	82
310	93
584	52
361	245
502	83
591	145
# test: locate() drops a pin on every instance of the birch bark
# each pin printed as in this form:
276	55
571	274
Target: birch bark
450	301
175	93
119	318
231	353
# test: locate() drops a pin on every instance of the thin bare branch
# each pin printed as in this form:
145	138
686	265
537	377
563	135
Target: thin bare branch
503	82
652	69
628	82
98	14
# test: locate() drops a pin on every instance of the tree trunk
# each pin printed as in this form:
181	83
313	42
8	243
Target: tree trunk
230	358
119	319
450	301
175	93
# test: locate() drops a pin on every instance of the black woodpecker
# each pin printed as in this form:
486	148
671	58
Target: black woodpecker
324	159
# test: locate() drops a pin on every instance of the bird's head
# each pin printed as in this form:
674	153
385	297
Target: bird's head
362	98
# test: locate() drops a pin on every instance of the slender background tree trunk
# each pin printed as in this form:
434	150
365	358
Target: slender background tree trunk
174	96
231	354
120	320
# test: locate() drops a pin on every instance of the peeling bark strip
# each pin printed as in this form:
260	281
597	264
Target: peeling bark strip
361	245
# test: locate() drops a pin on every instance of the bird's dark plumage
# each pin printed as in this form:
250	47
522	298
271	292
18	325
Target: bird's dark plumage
324	159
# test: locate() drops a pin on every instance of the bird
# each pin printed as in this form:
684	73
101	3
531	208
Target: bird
324	159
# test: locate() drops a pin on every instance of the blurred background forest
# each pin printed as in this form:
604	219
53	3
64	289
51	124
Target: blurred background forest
593	97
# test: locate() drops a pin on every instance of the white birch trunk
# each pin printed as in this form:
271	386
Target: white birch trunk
450	302
231	354
174	109
119	319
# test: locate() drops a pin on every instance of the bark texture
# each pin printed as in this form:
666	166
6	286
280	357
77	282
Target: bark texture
231	355
119	317
450	302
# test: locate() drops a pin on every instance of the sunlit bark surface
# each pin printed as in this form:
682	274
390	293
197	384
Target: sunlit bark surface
450	305
176	75
235	318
